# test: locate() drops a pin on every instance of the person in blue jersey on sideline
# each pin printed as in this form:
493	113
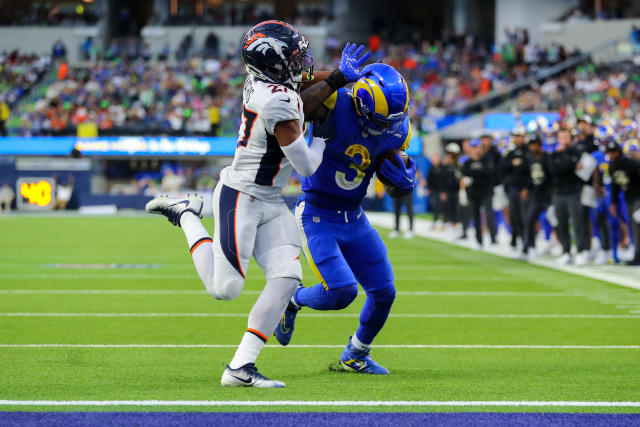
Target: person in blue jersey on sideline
341	246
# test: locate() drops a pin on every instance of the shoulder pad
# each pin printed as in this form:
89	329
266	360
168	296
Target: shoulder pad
279	108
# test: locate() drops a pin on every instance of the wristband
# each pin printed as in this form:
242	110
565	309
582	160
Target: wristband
336	80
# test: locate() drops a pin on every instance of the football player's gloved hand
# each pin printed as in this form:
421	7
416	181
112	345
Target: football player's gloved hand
350	63
402	177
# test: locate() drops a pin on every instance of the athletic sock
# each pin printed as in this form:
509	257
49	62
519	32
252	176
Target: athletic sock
374	313
248	350
201	248
193	229
359	345
263	319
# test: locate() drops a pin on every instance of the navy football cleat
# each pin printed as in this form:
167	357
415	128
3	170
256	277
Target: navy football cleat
173	208
359	361
247	376
284	330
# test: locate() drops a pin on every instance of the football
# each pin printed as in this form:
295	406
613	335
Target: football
391	189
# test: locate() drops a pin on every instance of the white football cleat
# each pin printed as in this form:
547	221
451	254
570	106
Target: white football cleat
564	259
602	257
408	234
247	376
394	234
582	258
173	208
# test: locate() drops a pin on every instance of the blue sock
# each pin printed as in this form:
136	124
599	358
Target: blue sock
319	298
614	227
546	226
375	312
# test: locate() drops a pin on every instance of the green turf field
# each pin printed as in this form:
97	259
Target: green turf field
446	296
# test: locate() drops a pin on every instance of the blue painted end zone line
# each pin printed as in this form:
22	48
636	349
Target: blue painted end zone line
315	419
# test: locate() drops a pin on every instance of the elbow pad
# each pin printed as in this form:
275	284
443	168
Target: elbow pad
304	158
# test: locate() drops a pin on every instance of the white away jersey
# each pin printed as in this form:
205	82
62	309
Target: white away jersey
259	167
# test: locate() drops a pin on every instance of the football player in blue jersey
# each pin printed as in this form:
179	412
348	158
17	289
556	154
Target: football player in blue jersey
342	248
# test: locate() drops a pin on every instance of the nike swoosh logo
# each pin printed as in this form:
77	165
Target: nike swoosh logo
186	203
409	179
241	379
285	100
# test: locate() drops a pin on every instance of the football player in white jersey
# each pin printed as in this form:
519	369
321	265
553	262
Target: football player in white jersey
250	215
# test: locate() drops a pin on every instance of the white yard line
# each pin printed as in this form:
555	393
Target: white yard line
618	275
340	315
393	346
252	292
350	403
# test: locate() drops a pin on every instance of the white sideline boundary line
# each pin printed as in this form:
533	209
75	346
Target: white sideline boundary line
343	315
432	403
397	346
384	219
252	292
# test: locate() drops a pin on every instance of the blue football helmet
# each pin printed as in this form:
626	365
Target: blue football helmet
274	51
381	99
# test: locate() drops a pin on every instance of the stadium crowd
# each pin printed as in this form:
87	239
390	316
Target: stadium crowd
137	98
572	181
127	93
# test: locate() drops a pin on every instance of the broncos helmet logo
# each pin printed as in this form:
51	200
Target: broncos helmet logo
261	43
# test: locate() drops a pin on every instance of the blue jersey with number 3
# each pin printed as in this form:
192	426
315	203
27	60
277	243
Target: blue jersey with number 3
341	180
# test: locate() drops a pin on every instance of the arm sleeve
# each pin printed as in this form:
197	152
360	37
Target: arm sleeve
280	108
305	159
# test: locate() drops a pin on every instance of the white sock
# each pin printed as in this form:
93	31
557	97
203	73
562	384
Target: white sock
359	344
264	318
193	228
248	350
201	247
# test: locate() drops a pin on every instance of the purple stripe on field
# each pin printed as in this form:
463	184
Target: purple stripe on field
366	419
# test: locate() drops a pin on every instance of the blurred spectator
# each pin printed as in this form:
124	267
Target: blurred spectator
625	173
479	170
6	197
63	194
87	47
211	45
562	165
450	176
4	116
59	50
398	203
434	182
171	182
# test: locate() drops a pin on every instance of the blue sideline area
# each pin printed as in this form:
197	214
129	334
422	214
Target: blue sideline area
366	419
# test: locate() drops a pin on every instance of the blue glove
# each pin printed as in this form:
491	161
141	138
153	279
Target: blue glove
402	178
350	62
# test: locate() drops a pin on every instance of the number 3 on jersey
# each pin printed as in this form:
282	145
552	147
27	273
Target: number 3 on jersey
248	119
341	177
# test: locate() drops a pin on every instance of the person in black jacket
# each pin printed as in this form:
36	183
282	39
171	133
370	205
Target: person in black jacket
585	141
535	195
494	156
480	168
450	183
566	186
515	172
625	177
433	185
